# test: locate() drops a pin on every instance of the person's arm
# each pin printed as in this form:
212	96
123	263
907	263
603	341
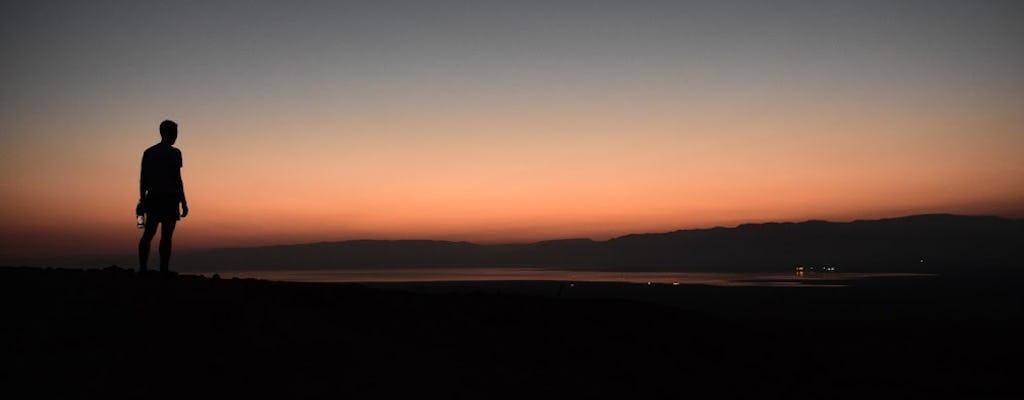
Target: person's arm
142	179
181	190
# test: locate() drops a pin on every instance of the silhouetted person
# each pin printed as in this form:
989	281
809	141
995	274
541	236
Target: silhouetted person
160	193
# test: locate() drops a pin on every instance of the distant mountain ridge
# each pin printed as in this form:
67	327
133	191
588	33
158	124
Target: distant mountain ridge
931	242
917	243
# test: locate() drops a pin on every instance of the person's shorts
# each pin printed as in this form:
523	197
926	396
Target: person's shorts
162	207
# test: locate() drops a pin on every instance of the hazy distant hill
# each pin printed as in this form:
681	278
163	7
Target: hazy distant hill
935	242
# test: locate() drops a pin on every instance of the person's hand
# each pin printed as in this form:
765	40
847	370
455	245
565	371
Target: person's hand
184	210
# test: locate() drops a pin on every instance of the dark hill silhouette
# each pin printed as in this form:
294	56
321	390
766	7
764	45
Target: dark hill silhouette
920	243
924	243
915	243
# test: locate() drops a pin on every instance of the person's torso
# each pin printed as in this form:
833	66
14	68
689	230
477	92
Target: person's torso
161	168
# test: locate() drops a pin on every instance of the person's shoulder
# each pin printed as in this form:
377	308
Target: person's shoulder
152	149
162	148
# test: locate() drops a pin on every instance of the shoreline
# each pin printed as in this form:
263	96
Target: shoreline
452	275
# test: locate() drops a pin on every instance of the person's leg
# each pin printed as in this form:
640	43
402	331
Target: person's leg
147	238
166	234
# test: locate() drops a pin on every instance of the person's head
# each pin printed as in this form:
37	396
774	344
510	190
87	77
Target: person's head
168	131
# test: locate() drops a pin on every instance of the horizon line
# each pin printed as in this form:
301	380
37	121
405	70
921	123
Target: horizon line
413	239
485	243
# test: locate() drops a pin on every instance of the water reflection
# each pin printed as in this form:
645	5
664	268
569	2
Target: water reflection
837	279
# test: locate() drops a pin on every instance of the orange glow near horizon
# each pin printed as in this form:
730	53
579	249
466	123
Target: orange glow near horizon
548	176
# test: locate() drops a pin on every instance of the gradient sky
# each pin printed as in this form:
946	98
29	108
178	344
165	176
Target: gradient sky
503	121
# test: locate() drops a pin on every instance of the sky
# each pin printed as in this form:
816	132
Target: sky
506	121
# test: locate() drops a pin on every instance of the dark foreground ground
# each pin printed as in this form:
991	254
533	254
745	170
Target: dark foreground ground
76	333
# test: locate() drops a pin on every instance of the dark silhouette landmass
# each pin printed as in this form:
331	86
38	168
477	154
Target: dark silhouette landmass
922	243
95	333
934	243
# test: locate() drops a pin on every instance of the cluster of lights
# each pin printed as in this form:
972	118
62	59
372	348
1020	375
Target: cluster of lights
801	269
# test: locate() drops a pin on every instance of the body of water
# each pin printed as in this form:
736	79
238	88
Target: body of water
837	279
